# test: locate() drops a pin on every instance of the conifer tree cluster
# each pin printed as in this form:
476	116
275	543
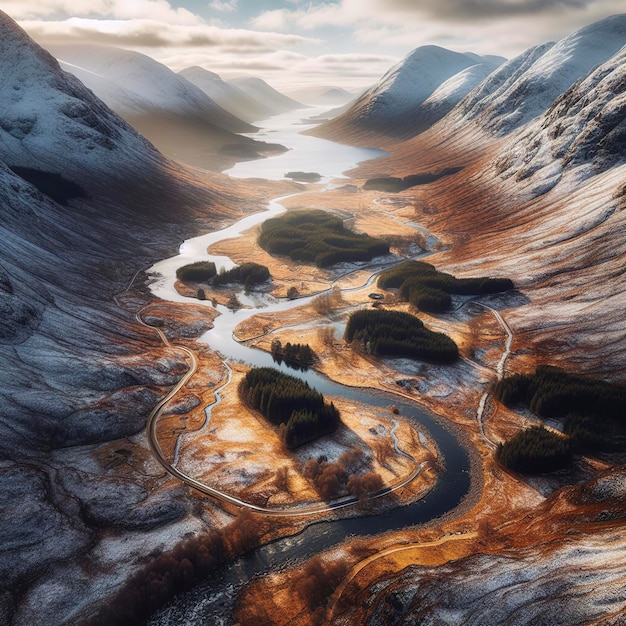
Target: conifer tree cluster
394	333
248	274
315	236
428	289
593	409
199	272
296	355
300	412
535	451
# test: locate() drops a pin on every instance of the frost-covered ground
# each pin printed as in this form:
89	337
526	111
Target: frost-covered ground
81	499
571	586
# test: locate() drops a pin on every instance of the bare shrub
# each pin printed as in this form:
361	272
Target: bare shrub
329	479
325	303
326	335
318	581
383	448
233	302
329	483
352	460
243	533
322	304
362	486
281	479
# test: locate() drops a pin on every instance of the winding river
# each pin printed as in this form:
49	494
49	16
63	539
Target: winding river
212	602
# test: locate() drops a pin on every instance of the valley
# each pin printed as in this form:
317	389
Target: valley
304	415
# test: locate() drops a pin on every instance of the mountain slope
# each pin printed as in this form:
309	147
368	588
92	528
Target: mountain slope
526	86
227	95
93	203
544	205
393	106
154	82
585	126
541	578
49	120
178	117
265	94
330	96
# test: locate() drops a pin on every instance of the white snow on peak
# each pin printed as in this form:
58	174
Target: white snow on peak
526	86
584	128
459	85
50	121
413	79
414	94
144	82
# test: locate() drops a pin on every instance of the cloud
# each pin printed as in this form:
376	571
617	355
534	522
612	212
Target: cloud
158	10
151	33
409	12
286	70
313	16
478	9
227	6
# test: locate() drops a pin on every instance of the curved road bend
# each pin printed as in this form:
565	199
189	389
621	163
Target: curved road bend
225	498
480	413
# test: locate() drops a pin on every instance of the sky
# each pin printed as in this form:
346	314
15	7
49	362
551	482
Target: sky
295	43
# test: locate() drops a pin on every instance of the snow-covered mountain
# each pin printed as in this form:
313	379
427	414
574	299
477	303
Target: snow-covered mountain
526	86
584	129
544	204
152	82
331	96
265	94
431	83
50	121
174	114
227	95
407	98
84	202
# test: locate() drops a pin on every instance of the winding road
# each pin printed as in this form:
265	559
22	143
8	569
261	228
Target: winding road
480	413
293	511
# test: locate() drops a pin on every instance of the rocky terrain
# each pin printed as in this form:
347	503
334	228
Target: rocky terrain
566	569
86	202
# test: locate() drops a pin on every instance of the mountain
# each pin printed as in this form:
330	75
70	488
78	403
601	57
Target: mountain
331	96
85	202
152	81
178	117
544	579
265	94
585	128
526	86
406	100
227	95
398	104
544	204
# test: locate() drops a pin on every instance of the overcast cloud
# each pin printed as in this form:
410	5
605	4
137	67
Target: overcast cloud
349	43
